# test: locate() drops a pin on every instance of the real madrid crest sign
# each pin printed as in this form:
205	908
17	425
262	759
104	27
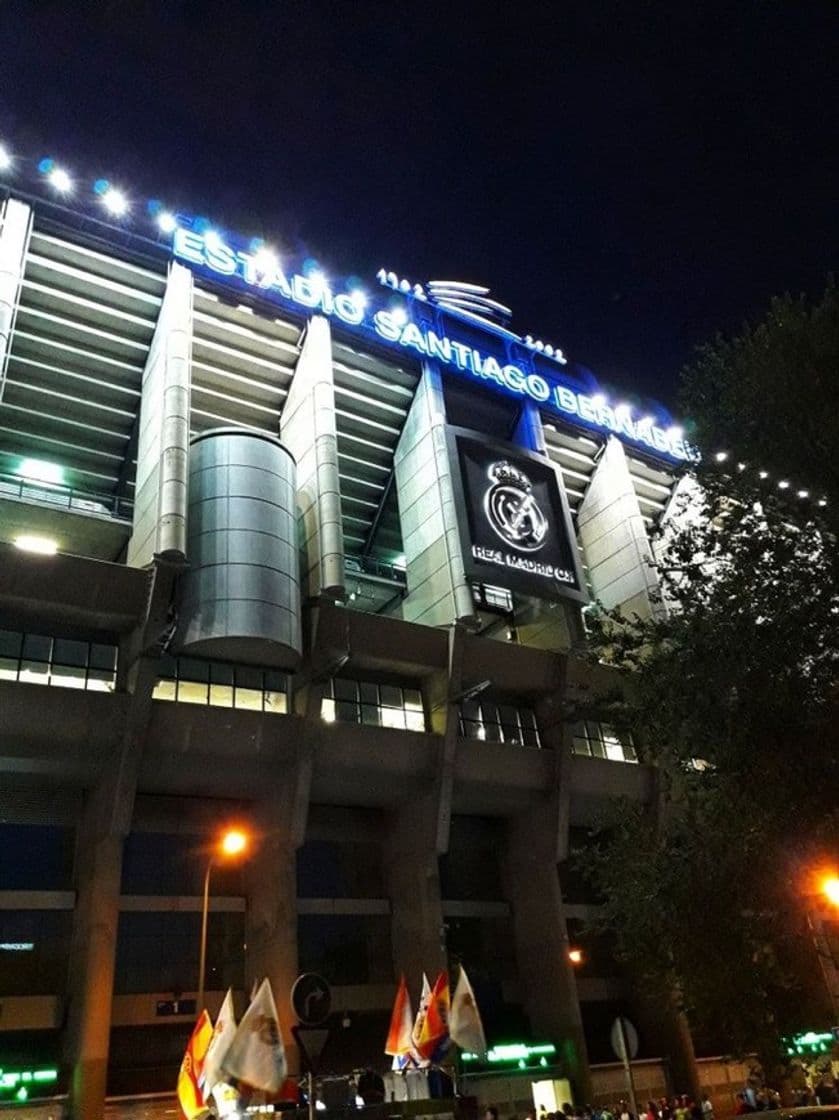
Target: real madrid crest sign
514	521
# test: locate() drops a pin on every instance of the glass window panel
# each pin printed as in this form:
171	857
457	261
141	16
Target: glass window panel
391	695
580	746
274	681
415	721
470	709
369	693
489	712
276	702
164	690
249	678
221	695
36	647
614	750
346	711
65	676
329	688
370	714
250	698
8	668
189	669
105	657
393	717
511	733
413	699
102	680
327	709
67	652
345	690
167	667
221	674
10	643
34	672
192	692
492	732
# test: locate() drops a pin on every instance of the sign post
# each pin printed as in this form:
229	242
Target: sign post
311	1001
624	1039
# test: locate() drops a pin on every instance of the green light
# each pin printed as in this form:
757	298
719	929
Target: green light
39	470
543	1061
15	1081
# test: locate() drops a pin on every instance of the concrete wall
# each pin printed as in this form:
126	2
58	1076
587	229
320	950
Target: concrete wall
438	592
163	444
614	537
308	429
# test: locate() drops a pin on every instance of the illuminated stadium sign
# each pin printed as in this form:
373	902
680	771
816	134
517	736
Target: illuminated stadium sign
453	324
513	518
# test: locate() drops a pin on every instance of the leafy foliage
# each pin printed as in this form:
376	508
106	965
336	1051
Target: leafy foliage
732	693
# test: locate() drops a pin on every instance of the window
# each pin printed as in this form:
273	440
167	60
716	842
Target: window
377	705
190	681
61	662
492	598
498	723
598	740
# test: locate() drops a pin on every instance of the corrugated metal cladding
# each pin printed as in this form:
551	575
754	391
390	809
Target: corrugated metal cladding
240	598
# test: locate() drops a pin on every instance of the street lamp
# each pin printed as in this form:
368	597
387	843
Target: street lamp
232	843
830	889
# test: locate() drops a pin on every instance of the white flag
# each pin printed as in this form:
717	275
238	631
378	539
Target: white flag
223	1033
257	1055
465	1026
419	1022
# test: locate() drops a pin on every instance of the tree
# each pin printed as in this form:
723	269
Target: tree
733	695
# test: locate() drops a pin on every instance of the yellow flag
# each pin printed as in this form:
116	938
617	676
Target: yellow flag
190	1097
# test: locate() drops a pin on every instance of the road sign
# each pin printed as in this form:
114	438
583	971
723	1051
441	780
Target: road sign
311	1041
631	1036
311	999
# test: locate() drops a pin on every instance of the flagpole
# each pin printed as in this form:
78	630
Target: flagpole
203	963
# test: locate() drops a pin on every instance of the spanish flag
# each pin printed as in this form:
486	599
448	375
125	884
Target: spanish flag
190	1097
434	1034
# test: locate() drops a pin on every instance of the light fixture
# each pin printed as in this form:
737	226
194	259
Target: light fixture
266	263
783	484
359	298
5	159
803	493
763	474
59	180
575	956
822	502
115	202
234	842
167	222
721	456
28	542
741	466
399	316
39	470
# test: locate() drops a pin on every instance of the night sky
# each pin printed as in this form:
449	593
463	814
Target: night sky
628	177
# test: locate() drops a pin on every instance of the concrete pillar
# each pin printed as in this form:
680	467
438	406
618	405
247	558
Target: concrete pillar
308	428
163	443
271	919
531	882
614	537
438	591
412	878
15	227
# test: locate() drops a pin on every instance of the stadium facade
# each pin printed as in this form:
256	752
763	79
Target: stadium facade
312	559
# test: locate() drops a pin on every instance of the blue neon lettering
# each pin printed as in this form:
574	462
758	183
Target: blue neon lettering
461	355
493	370
347	309
188	244
412	336
565	399
385	326
514	379
220	258
537	387
439	347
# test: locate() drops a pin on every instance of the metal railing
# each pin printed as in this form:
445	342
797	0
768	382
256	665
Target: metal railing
65	497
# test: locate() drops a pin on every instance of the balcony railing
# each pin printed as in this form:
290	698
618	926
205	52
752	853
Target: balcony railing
65	497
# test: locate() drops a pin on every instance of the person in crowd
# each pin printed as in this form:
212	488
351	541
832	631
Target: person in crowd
707	1107
491	1113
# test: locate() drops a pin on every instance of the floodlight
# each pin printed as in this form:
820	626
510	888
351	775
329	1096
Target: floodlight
721	456
166	222
5	159
115	202
27	542
59	180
